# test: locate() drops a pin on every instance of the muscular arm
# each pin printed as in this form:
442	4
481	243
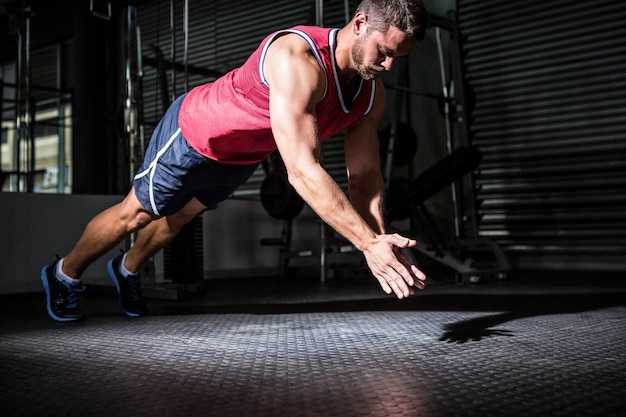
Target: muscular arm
365	181
296	84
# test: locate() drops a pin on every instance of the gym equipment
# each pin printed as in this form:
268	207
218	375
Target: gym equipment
457	171
406	200
394	197
183	256
132	109
278	197
281	201
436	178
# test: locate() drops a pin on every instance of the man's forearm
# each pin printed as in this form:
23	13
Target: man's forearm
367	197
325	197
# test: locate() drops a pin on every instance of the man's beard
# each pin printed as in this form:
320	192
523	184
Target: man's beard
367	73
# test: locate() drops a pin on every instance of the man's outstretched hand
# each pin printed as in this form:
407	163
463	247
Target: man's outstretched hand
391	268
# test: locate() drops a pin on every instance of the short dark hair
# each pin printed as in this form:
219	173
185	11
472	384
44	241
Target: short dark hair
410	16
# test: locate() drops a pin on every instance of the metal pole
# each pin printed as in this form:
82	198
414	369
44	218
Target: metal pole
130	117
319	13
445	92
141	140
401	78
23	111
61	129
323	246
442	70
29	112
319	21
18	113
172	51
131	74
186	44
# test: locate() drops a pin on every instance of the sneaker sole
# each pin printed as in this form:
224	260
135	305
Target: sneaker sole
117	286
44	281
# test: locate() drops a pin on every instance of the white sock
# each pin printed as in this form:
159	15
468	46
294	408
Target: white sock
63	276
123	269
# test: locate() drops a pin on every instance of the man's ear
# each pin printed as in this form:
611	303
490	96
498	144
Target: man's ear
359	23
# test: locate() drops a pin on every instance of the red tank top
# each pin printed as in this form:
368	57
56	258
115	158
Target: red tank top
228	120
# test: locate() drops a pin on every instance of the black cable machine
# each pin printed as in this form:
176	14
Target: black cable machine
457	170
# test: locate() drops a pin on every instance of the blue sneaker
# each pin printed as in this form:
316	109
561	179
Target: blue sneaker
61	296
128	289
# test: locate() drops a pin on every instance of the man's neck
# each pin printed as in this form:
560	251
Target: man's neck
343	56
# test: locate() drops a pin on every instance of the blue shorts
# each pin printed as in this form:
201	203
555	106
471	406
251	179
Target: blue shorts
172	172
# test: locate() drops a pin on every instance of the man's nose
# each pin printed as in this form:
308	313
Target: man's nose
388	63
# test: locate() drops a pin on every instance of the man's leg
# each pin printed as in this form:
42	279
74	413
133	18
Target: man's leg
124	269
159	233
105	231
61	280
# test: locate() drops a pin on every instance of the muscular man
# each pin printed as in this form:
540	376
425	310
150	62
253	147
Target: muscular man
301	86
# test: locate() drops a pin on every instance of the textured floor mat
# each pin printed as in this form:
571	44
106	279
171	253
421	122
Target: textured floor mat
365	360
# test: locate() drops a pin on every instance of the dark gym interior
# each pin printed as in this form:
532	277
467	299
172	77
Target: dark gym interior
504	153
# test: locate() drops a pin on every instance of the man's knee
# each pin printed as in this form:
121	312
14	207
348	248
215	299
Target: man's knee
135	215
140	220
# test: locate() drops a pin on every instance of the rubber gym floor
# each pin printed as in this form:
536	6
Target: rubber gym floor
538	345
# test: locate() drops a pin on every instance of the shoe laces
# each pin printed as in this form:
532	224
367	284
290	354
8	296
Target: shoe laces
72	294
134	287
